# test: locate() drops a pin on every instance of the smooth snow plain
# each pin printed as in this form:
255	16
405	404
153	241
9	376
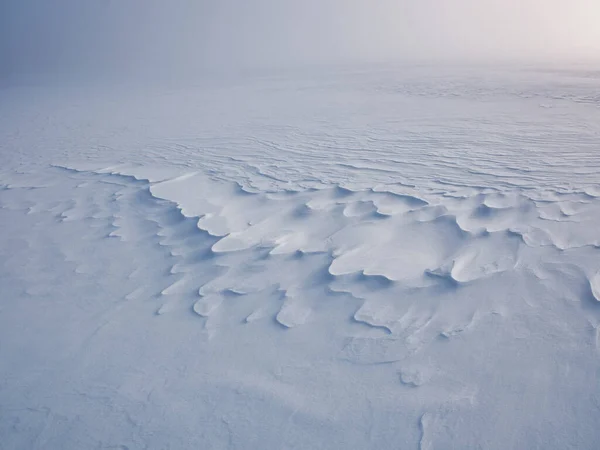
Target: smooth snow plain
360	258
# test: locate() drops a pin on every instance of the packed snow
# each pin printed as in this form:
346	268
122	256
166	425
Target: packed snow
359	258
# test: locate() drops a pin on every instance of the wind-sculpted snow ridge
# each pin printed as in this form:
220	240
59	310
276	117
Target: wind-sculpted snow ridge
377	245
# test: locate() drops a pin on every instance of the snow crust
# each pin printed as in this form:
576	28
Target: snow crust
361	259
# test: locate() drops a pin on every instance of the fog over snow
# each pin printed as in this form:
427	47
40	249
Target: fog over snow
145	37
327	224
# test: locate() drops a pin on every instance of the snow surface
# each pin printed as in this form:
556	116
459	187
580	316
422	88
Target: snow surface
390	257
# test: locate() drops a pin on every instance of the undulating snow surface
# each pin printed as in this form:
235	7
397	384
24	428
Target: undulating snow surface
369	258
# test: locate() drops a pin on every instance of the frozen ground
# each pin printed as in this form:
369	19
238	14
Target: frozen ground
368	258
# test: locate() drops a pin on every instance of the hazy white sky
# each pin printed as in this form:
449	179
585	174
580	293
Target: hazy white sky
181	35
